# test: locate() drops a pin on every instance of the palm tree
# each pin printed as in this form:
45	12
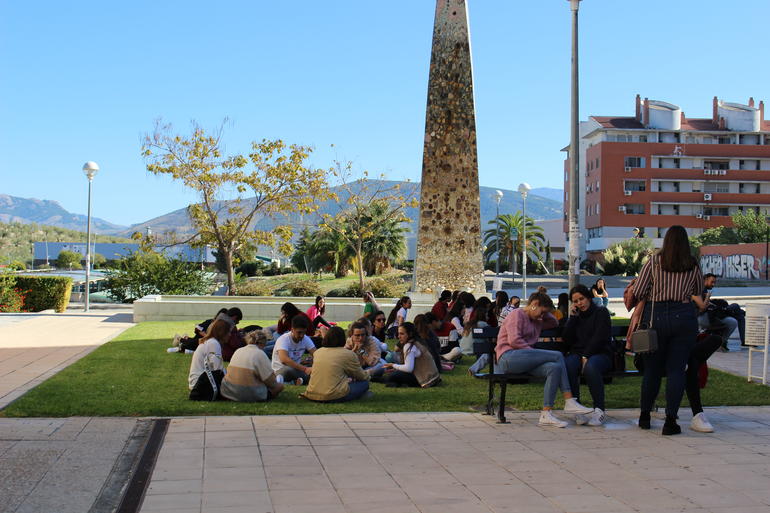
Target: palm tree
331	250
387	242
512	240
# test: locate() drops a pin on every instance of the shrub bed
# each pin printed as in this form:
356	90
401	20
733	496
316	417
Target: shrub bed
44	292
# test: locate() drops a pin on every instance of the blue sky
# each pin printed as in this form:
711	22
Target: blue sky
84	80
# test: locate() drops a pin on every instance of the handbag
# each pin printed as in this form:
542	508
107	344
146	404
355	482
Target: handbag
208	384
646	340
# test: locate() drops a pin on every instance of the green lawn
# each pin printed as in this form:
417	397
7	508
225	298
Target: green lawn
134	376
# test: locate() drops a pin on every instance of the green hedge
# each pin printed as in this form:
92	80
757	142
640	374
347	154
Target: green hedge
45	292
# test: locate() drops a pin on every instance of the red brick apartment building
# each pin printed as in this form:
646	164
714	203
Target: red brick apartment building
660	168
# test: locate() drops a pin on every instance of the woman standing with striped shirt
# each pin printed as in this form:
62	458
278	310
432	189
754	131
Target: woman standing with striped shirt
672	283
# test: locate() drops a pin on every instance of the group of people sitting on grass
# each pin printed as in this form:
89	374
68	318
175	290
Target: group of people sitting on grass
338	365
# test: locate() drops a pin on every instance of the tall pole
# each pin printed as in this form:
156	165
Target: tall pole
524	245
574	159
767	245
497	240
88	248
90	169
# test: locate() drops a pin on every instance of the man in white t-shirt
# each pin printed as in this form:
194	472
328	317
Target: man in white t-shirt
288	351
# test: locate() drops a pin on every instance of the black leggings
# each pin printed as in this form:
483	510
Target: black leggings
320	320
401	378
702	351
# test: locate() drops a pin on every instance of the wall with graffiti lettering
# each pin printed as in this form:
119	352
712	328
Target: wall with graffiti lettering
737	261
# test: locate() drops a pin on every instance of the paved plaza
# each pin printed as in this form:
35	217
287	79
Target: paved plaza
404	462
460	462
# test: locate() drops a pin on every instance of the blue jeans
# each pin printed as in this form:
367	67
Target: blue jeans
357	391
677	328
601	301
538	362
596	366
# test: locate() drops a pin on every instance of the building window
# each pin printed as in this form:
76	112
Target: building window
633	162
634	208
716	164
716	211
748	188
708	140
716	187
751	165
634	185
597	163
725	139
642	138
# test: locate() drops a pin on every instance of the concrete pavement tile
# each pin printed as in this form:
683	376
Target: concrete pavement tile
187	425
343	441
249	451
175	487
290	442
293	471
589	504
229	424
382	507
372	495
292	498
259	500
475	474
280	433
470	507
9	502
315	482
214	460
227	439
190	501
574	487
162	473
336	507
74	503
338	432
257	508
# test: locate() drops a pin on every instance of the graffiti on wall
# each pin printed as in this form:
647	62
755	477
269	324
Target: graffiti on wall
739	266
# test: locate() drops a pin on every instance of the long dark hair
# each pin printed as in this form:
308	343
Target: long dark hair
501	300
675	255
411	333
321	310
393	313
456	310
289	310
542	299
422	326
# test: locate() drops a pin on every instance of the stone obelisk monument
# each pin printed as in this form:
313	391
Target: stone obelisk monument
449	253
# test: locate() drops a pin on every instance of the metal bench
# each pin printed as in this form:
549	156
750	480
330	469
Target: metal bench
486	345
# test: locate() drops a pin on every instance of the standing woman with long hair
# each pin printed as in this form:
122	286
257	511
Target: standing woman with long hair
671	283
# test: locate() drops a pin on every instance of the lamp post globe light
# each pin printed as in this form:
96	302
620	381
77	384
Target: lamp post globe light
90	169
524	189
498	197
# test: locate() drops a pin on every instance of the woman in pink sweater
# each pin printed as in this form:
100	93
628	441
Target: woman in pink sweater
516	354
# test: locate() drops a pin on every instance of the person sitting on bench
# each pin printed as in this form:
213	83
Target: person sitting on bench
588	338
516	355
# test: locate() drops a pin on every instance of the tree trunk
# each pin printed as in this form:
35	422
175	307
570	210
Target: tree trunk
228	254
360	260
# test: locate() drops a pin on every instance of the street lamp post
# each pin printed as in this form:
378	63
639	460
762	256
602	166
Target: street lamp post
90	169
524	189
574	161
498	197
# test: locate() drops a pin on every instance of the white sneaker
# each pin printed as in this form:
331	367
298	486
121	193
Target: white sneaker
571	407
597	418
299	382
581	420
177	338
549	420
279	378
188	351
172	350
701	424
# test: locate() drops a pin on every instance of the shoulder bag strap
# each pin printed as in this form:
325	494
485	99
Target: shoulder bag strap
652	290
207	370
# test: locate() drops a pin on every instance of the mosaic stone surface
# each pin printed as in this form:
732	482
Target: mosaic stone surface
449	251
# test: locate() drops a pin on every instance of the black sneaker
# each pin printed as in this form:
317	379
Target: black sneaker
644	420
671	427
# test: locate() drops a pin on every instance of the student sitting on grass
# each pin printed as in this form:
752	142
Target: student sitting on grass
398	315
250	377
185	344
515	355
289	349
425	325
418	369
209	351
366	349
337	375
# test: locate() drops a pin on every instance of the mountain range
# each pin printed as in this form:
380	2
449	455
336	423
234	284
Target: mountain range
542	203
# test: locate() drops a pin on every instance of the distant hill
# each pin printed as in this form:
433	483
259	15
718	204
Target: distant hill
549	192
51	213
538	207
